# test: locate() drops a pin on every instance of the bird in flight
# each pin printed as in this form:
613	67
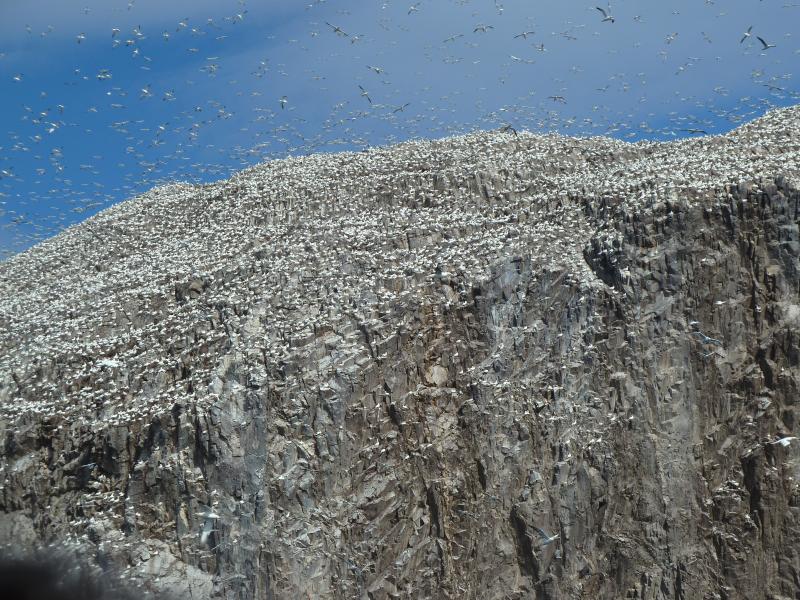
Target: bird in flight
377	70
283	101
558	99
365	93
547	539
524	35
746	34
509	129
401	108
606	15
527	61
337	30
765	44
482	28
784	441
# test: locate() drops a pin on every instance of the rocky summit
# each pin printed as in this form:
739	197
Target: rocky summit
496	366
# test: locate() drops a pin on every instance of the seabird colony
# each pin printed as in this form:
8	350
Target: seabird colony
307	269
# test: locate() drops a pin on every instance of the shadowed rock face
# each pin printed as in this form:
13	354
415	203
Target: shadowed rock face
484	367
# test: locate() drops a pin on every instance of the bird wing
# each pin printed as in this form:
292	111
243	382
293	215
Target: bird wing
602	11
542	533
765	44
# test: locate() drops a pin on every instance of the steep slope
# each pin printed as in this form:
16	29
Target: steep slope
492	366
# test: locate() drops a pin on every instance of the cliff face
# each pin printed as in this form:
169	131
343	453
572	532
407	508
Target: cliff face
485	367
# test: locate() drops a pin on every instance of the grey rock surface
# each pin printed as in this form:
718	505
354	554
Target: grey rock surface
492	366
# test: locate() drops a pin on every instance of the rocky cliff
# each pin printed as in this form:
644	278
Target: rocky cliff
493	366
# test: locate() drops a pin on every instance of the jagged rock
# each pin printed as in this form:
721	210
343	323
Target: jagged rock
492	366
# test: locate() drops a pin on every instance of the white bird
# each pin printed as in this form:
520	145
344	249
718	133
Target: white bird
784	441
524	34
606	16
208	527
365	94
547	539
746	34
522	60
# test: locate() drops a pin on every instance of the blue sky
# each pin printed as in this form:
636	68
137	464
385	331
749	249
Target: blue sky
192	90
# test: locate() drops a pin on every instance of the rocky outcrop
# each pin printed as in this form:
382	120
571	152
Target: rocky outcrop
494	366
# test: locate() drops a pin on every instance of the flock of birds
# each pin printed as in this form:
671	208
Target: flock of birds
55	169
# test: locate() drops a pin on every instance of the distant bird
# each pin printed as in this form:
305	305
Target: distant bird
482	28
208	525
377	70
746	34
453	38
509	129
696	131
524	35
80	37
765	44
401	108
284	100
784	441
338	30
547	539
558	99
413	8
705	339
522	60
606	15
365	94
114	32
